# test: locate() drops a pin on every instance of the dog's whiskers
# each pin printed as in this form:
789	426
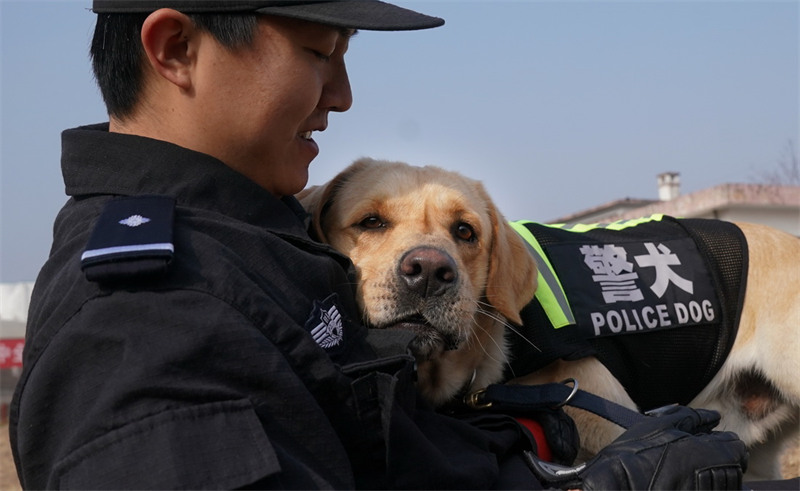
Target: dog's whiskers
498	318
483	348
505	324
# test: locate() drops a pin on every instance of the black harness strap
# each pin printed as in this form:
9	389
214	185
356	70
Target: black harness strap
520	399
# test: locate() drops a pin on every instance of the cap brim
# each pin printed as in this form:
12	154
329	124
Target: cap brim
370	15
357	14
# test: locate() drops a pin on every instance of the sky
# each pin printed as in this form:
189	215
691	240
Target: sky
556	106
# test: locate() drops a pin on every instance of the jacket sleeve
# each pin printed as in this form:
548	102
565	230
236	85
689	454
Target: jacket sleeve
167	390
221	443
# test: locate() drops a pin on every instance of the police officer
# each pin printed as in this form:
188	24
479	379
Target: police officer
187	333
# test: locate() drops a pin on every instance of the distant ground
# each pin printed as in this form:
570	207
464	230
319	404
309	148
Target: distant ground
8	475
790	463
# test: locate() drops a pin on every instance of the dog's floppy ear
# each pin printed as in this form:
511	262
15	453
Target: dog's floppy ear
313	200
512	277
318	199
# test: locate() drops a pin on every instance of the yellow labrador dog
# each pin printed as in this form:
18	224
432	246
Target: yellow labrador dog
434	255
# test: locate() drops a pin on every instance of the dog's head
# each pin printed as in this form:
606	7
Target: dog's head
433	255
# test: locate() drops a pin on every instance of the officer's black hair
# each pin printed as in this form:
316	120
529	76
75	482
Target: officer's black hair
118	56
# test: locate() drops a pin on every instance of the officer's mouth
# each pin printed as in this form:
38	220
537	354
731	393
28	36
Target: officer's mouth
307	141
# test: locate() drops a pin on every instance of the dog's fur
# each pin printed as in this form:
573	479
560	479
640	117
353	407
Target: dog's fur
433	254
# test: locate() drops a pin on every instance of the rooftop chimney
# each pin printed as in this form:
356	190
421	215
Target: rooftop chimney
669	186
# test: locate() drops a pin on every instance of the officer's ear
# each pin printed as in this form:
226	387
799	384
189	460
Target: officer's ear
170	42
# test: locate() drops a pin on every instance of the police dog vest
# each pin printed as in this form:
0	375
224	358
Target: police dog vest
657	300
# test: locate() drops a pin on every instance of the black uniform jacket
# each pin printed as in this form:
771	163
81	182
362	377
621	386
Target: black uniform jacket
208	375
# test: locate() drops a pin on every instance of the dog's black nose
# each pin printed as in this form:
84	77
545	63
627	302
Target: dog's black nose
428	271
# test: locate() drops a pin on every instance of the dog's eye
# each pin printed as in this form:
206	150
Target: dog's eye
372	222
465	232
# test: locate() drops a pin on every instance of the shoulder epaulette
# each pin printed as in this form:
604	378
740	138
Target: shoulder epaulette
132	238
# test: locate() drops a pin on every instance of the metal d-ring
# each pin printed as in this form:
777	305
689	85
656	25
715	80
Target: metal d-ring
571	394
475	400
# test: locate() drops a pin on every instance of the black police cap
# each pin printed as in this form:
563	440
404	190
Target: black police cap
370	15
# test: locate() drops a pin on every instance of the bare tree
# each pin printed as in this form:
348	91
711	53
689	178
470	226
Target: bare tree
786	173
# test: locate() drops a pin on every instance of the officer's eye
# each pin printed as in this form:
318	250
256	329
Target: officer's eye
319	54
464	231
322	57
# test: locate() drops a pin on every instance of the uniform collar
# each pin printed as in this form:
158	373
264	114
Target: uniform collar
95	161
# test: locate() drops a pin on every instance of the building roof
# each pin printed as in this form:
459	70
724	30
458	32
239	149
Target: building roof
700	203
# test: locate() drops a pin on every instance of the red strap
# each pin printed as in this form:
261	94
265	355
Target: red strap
542	449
